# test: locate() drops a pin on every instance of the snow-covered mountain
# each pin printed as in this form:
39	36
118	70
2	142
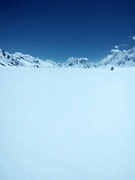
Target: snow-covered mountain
76	62
117	58
19	59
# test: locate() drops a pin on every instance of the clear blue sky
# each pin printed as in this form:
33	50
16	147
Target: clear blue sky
59	29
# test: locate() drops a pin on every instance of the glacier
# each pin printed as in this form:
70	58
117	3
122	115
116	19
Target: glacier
67	124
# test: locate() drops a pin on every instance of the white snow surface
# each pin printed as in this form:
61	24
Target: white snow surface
67	124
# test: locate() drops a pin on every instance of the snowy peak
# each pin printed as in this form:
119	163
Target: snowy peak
18	59
7	59
76	62
120	58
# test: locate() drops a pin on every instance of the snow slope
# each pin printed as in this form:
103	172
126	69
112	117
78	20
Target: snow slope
67	124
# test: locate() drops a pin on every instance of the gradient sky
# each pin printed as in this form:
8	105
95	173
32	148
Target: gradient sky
59	29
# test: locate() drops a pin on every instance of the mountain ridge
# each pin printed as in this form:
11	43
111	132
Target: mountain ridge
118	58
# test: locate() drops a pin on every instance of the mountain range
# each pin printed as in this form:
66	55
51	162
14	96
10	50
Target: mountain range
116	58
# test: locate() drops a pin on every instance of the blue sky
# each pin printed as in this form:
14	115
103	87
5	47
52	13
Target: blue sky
57	29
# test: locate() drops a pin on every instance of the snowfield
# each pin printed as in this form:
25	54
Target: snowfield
67	124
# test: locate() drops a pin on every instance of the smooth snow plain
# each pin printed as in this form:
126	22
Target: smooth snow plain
67	124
